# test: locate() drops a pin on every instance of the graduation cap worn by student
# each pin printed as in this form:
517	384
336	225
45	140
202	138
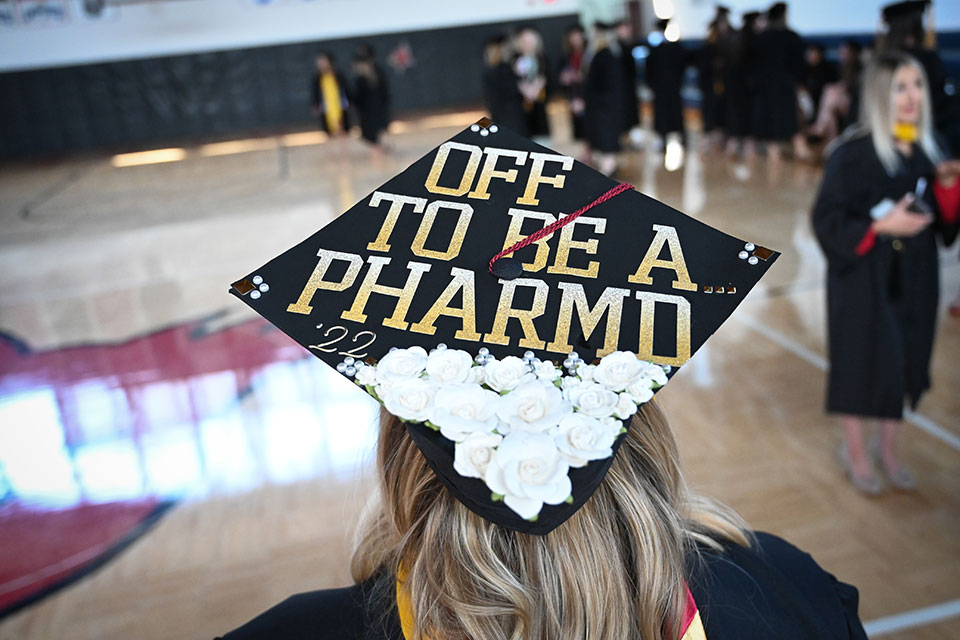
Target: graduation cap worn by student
514	308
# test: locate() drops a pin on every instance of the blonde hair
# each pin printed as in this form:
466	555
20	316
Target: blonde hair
877	113
615	570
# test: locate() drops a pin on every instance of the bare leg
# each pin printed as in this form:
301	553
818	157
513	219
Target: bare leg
897	473
856	457
800	149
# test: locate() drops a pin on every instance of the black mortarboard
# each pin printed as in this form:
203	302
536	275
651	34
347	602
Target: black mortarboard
517	389
777	10
899	10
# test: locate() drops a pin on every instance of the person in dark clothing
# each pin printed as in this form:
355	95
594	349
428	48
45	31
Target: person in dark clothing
628	71
666	65
371	97
713	59
885	197
330	103
501	96
571	77
602	99
905	32
840	101
779	52
818	72
530	67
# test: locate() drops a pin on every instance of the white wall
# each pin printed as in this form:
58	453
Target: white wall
807	17
170	27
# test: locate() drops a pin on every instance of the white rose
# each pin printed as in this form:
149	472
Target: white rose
399	365
476	375
592	399
618	370
581	438
586	371
533	406
546	370
472	456
462	409
641	390
570	381
366	375
528	470
626	406
655	373
506	374
449	365
410	399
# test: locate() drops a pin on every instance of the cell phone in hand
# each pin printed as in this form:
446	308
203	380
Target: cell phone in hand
919	205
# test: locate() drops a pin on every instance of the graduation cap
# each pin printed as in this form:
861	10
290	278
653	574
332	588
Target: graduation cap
900	10
777	10
514	308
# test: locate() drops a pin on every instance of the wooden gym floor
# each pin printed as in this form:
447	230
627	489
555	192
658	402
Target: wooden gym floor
102	251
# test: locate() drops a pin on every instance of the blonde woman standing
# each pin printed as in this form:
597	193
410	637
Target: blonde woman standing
887	193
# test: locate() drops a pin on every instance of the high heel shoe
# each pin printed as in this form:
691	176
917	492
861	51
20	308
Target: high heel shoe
902	478
872	485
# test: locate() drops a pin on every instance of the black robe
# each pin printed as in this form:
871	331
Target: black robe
666	65
604	103
372	101
771	591
502	98
628	87
779	58
882	305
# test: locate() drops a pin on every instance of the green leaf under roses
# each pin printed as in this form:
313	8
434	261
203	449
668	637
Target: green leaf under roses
569	499
432	426
497	497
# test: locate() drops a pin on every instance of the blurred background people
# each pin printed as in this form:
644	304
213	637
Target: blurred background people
501	95
818	72
530	66
665	67
887	193
712	65
628	70
330	99
603	99
570	79
741	87
840	100
371	98
779	52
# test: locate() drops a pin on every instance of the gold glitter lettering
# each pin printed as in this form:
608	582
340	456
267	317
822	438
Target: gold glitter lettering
514	235
404	296
575	297
489	170
536	177
505	311
652	259
316	281
459	233
567	243
440	160
396	205
462	281
648	303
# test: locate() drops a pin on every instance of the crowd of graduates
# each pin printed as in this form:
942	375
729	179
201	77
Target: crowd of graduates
761	86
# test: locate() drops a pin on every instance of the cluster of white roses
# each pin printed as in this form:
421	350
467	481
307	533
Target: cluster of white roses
518	424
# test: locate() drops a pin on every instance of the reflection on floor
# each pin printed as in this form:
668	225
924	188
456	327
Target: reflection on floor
128	372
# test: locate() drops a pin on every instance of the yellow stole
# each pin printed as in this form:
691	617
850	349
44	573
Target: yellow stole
905	132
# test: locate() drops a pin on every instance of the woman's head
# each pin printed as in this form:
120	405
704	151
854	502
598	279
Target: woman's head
895	91
623	551
324	62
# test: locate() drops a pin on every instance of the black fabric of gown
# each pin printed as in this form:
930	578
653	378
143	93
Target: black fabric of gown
628	88
773	590
317	101
881	306
604	103
372	101
779	69
666	65
503	99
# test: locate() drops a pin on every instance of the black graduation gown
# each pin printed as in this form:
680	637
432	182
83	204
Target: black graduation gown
773	590
881	306
503	99
372	101
779	57
711	108
817	77
665	68
604	103
628	87
317	102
